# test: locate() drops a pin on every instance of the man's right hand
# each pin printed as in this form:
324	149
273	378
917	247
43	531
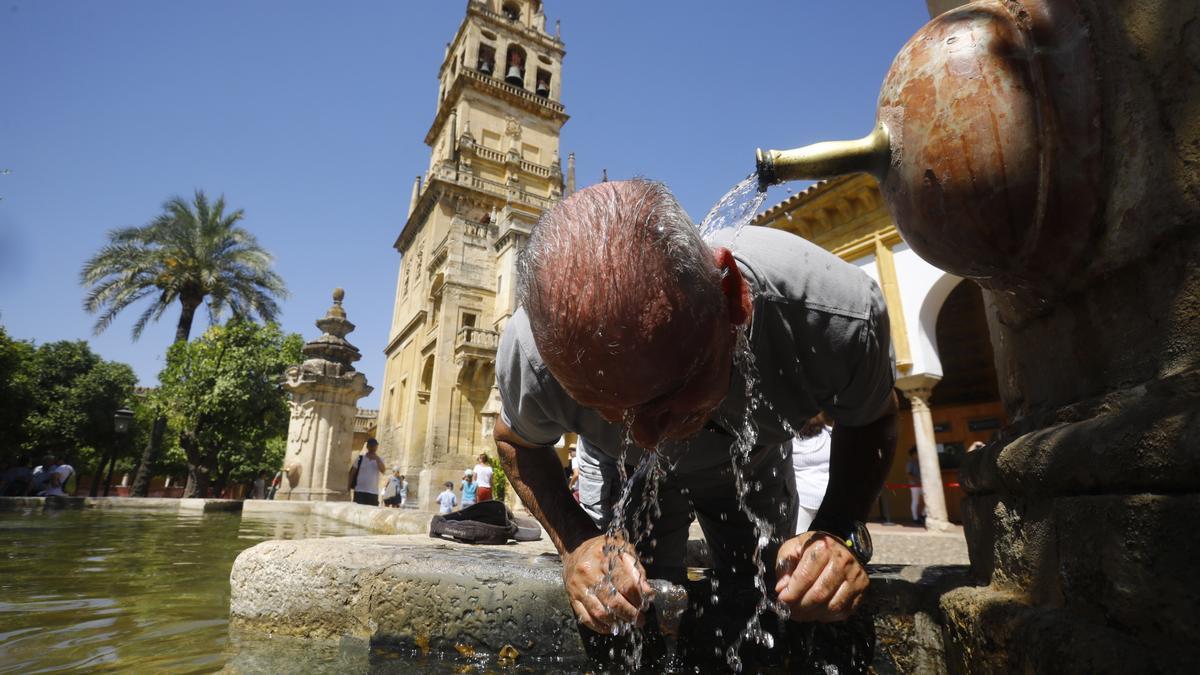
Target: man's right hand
600	601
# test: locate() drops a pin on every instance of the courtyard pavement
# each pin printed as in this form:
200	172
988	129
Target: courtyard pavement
909	545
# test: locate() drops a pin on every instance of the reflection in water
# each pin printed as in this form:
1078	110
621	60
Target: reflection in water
130	590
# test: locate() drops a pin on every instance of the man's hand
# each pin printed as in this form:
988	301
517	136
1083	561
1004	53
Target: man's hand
819	578
600	601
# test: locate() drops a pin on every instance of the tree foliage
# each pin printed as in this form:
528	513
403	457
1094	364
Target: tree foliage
223	393
16	400
60	397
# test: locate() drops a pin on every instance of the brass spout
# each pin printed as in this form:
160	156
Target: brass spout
869	154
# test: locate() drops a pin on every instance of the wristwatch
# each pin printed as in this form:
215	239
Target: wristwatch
852	534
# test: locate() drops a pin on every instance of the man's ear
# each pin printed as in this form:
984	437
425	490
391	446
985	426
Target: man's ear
734	289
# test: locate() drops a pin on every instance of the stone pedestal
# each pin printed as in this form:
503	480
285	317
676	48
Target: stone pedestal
325	391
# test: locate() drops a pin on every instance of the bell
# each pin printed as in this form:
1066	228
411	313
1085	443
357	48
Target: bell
543	89
485	67
513	76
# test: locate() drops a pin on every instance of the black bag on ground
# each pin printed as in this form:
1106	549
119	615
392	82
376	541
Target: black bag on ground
488	522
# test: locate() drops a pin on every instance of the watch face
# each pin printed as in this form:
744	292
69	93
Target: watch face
862	541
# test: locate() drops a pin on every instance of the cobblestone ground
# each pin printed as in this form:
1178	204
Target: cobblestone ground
908	545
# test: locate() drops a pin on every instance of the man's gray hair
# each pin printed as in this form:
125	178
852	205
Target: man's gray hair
622	257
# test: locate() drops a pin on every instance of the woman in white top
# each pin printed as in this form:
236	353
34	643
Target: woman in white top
370	468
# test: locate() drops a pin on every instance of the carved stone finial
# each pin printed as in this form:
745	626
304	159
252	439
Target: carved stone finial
339	294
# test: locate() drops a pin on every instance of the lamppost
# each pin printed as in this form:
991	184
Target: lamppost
122	420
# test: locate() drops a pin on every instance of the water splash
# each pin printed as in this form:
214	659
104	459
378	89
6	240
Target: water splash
764	531
737	208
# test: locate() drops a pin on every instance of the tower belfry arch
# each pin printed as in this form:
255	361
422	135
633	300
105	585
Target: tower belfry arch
494	167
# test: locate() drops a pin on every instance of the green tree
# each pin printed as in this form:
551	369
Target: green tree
70	396
223	391
16	395
193	253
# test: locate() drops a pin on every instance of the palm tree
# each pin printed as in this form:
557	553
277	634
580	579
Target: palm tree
192	253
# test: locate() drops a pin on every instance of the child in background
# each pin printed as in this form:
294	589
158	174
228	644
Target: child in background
469	488
446	501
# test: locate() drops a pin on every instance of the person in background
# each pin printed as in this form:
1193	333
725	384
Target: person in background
370	468
403	490
16	480
483	475
260	486
62	479
446	500
276	483
573	473
913	468
470	488
40	477
391	492
810	463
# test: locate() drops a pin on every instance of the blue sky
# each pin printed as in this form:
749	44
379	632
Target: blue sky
310	116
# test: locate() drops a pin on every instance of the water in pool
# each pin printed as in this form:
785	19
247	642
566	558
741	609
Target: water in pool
101	590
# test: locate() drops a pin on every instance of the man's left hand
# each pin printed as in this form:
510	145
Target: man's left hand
819	578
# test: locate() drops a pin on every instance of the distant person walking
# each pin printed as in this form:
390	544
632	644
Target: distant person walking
470	489
394	491
365	475
913	467
483	475
446	500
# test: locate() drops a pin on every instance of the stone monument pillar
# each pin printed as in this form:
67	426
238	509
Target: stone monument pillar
325	391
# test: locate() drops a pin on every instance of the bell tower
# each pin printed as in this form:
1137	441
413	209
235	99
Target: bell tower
494	167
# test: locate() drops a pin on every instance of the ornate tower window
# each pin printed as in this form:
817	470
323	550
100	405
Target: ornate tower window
515	74
511	11
543	83
486	61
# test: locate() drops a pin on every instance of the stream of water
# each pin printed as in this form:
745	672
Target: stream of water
735	210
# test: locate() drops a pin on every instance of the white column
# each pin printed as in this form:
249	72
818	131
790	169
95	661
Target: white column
917	389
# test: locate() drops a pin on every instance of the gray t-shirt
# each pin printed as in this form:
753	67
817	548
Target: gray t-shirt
820	338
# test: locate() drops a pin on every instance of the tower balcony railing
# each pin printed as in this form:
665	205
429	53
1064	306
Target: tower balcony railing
449	174
507	88
500	158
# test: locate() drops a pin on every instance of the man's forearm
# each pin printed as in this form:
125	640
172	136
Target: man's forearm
859	460
536	474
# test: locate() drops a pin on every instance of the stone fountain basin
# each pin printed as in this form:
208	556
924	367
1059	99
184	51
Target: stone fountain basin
433	596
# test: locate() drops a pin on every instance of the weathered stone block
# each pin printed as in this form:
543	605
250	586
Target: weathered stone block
408	591
414	594
1129	561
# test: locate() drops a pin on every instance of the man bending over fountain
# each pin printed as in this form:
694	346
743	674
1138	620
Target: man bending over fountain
654	348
